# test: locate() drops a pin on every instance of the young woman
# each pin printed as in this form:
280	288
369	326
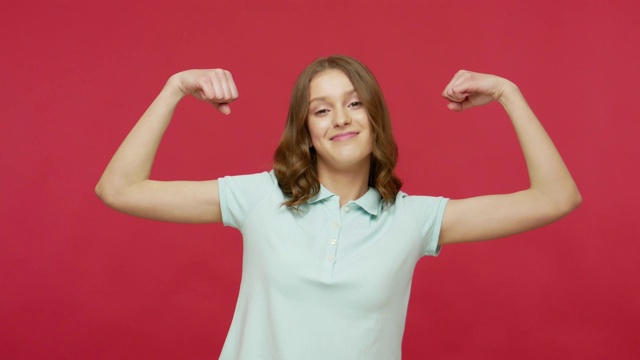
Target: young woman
330	241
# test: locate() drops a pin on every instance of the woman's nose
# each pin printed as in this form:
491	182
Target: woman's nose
341	118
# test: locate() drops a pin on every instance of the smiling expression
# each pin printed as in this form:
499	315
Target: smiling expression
338	123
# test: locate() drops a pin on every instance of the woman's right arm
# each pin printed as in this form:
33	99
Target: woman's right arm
125	185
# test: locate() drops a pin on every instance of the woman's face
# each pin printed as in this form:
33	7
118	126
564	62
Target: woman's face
338	123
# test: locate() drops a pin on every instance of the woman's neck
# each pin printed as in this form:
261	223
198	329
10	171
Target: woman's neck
348	184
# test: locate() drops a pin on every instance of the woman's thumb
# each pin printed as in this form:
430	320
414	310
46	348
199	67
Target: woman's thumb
224	108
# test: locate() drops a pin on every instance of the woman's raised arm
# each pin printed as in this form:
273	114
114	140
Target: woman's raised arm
552	193
125	184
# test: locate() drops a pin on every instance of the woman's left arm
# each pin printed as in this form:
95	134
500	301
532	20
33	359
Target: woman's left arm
552	193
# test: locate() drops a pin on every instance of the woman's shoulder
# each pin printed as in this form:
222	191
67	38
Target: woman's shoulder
261	179
241	194
419	203
249	186
404	197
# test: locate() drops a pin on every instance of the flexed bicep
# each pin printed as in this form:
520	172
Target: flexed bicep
172	201
494	216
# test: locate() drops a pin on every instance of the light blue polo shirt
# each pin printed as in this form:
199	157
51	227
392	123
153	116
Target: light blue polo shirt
325	282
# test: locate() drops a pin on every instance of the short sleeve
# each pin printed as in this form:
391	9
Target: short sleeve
239	195
428	212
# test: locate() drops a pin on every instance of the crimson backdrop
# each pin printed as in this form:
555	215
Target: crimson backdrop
80	281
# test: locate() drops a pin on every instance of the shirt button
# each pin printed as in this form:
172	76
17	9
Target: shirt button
330	258
336	224
333	241
347	209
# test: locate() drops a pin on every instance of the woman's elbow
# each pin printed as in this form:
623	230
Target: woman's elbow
569	203
107	194
103	193
554	206
576	200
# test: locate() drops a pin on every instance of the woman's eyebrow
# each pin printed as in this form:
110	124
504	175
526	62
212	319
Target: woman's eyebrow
324	98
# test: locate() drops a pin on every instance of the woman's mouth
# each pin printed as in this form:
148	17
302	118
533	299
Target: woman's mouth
344	136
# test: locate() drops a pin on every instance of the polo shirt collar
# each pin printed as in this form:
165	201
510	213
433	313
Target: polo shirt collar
370	201
322	194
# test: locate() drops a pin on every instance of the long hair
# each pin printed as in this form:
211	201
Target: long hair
295	162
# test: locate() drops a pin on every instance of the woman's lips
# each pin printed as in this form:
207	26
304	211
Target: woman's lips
344	136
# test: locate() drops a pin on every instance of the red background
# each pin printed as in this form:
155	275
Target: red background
81	281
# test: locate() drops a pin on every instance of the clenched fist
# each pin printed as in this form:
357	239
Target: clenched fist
468	89
215	86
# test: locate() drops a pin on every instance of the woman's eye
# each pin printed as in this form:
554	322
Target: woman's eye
355	104
321	112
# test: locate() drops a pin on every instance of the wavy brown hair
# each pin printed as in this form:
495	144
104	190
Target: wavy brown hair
295	162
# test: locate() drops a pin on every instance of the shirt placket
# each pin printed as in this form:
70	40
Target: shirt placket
336	222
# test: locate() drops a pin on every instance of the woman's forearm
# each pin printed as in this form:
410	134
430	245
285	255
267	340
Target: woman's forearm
132	162
548	174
